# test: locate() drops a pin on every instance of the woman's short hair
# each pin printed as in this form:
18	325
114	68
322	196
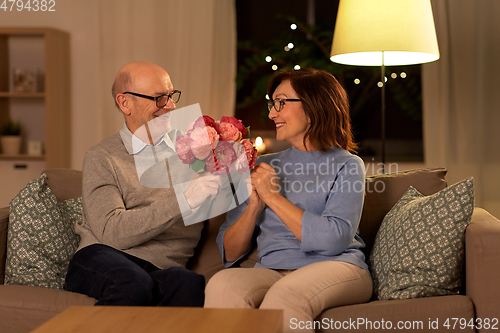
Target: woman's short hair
325	103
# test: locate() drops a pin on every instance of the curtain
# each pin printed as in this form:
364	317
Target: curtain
193	40
461	97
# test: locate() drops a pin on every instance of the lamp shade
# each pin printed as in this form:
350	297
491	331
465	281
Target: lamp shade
384	32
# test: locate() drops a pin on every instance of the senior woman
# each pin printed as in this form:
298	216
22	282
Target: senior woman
303	212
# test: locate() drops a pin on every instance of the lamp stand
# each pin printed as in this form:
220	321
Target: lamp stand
382	78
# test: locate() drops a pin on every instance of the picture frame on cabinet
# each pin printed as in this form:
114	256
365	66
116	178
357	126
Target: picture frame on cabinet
25	80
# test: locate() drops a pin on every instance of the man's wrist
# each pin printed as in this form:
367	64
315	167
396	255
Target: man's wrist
184	205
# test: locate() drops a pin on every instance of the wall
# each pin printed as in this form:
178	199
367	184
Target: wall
80	18
194	40
461	97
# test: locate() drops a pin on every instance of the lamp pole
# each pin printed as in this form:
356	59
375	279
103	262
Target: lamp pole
311	14
382	78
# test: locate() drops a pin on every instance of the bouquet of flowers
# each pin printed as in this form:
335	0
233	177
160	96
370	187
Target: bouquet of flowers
217	146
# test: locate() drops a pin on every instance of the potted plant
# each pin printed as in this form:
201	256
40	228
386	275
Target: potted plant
11	137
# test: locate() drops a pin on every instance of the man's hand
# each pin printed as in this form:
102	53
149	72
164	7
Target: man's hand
203	186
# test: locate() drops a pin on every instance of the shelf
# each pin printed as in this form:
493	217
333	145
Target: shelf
23	157
12	94
45	115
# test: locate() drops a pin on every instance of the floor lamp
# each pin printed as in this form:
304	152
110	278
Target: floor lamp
384	33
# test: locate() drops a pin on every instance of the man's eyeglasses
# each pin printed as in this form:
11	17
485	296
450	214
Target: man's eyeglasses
280	102
161	100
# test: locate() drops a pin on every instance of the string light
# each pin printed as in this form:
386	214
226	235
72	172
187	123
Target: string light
267	96
293	26
296	67
274	67
269	59
357	81
403	75
394	75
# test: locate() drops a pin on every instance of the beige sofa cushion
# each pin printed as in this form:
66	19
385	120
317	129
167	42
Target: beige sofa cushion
419	311
207	259
23	308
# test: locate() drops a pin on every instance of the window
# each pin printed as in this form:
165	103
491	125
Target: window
267	41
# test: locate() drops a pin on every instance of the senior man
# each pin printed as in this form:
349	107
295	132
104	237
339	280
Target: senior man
134	245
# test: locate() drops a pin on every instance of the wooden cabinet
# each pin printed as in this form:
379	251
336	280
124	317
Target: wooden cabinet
44	114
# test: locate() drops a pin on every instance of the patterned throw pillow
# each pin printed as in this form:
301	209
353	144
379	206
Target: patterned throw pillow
41	238
419	248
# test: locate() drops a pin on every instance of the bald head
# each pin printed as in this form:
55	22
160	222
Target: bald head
143	81
134	75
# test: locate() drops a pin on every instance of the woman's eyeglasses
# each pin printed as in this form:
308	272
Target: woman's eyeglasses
280	104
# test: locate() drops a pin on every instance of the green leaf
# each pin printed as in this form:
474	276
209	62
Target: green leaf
197	165
10	127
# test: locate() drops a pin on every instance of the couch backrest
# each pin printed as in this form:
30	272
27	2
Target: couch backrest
207	259
383	191
65	183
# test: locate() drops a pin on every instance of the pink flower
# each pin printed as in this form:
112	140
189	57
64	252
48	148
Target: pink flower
183	149
246	154
220	145
237	123
203	141
229	132
224	157
250	151
202	122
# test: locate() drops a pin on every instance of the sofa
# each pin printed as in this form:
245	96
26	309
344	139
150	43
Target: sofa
23	308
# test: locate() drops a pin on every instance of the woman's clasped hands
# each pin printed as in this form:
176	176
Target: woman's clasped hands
264	185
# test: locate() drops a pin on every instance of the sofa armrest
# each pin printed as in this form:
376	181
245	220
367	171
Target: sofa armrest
482	259
4	222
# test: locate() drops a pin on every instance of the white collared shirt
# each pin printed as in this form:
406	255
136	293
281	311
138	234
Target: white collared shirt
135	145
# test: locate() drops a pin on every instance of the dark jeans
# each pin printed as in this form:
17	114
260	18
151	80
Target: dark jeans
116	278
